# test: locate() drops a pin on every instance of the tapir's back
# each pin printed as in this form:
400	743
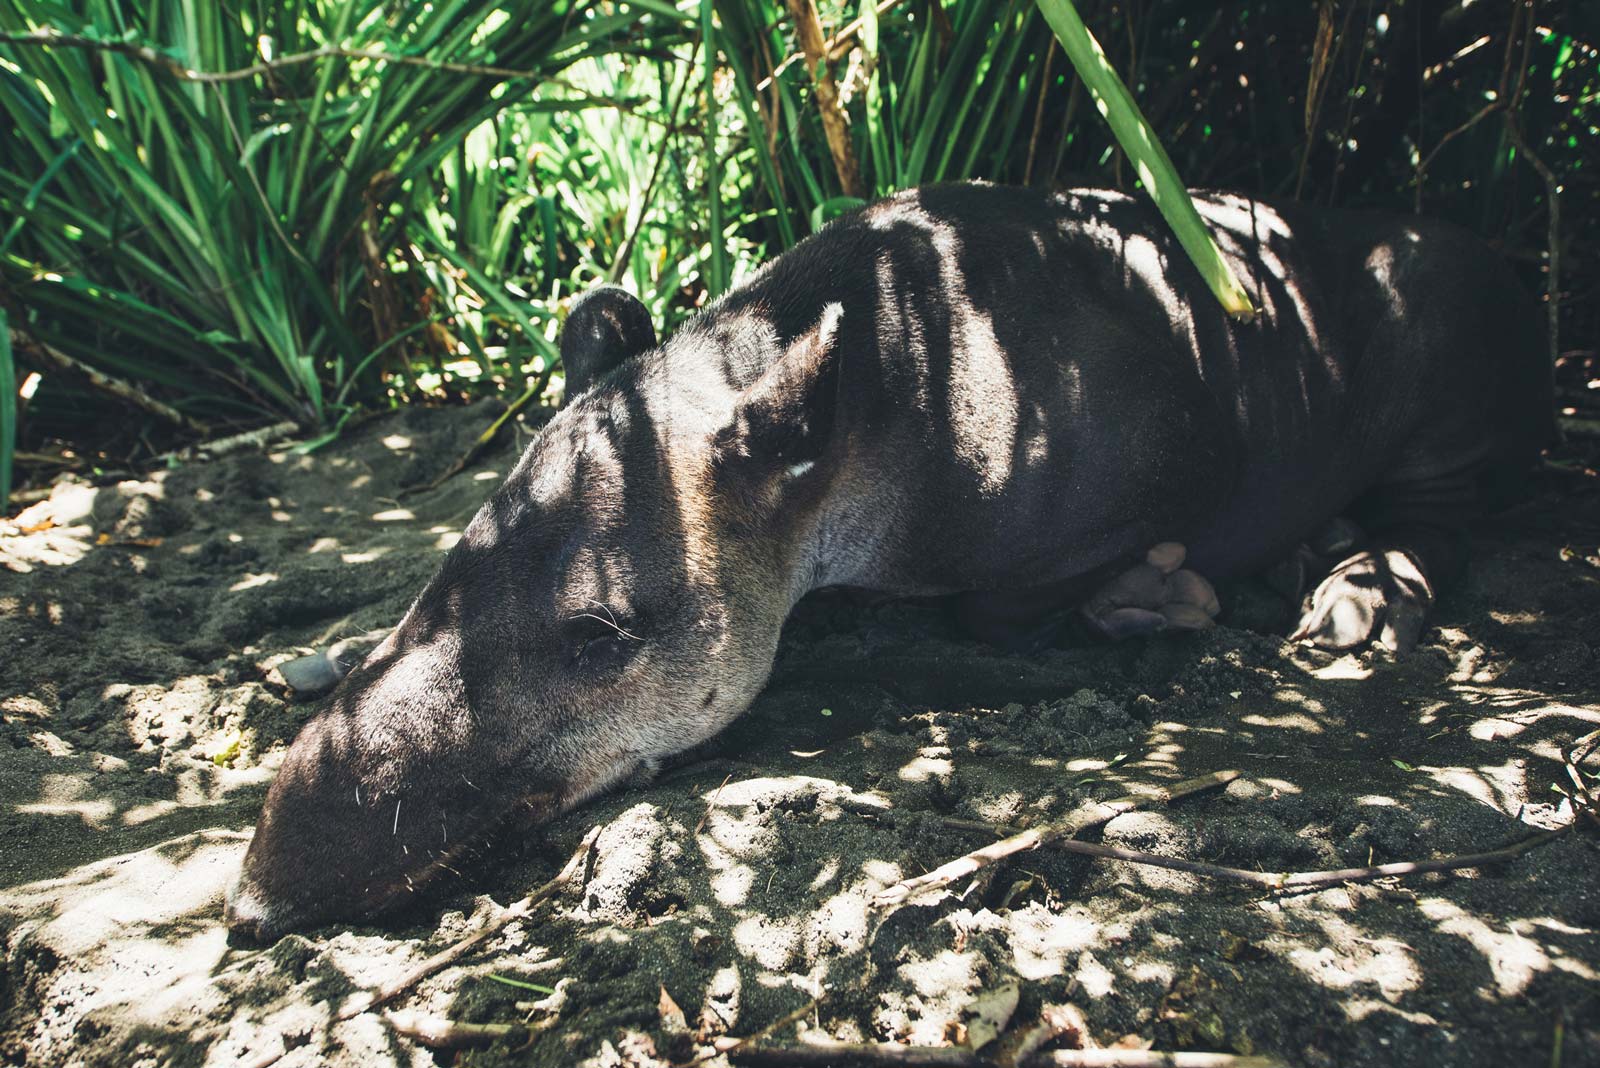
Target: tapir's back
1053	372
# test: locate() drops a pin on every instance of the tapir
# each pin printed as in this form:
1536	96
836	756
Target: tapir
1028	402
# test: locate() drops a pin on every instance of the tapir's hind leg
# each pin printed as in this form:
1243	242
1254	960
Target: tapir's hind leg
1156	594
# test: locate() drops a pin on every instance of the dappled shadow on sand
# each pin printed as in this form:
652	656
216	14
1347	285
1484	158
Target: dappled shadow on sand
740	882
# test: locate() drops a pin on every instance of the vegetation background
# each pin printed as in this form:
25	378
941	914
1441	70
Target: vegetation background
218	215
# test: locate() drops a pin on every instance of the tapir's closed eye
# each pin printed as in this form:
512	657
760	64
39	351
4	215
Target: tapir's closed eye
599	640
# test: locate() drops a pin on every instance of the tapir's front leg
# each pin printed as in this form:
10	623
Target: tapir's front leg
1382	594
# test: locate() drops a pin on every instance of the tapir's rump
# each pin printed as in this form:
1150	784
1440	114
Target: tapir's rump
962	390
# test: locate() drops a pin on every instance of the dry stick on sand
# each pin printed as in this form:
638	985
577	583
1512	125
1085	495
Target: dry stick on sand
369	1000
1093	814
1315	880
41	352
829	1054
439	1032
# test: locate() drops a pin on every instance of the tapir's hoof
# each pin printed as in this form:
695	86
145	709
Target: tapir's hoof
1378	596
311	676
1158	594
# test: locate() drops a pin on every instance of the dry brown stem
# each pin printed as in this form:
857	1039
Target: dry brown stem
809	29
1092	814
829	1054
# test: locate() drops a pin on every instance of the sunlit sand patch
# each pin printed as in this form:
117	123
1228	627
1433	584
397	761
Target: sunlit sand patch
943	984
101	916
1044	942
252	581
1494	729
923	768
1293	695
771	943
842	920
1513	959
1289	721
881	873
1346	668
825	874
1358	1009
70	794
1387	965
1492	785
1095	979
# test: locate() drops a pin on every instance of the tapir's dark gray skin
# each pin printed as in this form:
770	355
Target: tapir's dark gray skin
956	390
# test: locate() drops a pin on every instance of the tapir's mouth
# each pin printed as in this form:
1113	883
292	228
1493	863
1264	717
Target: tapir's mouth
263	909
261	916
525	813
528	812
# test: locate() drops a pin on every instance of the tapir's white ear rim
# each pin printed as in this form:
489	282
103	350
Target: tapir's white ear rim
827	328
782	423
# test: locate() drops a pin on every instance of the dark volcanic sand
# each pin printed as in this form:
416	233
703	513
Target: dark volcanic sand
128	666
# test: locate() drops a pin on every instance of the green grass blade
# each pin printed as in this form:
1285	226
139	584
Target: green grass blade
1155	169
717	260
8	412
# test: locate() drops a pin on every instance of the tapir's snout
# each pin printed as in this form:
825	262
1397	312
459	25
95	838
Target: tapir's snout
248	915
336	844
388	791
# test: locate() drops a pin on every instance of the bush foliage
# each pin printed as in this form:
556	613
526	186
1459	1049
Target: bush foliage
306	208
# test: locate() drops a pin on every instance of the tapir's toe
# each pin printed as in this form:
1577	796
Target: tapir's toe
1379	596
1154	595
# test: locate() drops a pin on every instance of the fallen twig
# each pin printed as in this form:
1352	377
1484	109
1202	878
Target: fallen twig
446	957
34	349
1311	880
830	1053
482	441
441	1032
1093	814
711	804
368	1000
1269	880
727	1044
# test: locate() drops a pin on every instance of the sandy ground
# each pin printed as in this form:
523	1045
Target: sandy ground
140	622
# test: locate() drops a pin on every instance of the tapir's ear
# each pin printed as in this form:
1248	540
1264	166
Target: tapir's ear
781	424
605	327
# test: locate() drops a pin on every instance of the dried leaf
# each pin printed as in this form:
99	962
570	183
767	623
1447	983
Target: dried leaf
672	1018
1060	1025
990	1013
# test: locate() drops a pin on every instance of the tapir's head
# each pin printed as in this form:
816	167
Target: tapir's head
616	600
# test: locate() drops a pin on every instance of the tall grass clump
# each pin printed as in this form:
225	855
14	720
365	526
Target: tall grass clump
233	241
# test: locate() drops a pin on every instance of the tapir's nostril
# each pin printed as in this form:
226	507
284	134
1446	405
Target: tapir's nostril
246	915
